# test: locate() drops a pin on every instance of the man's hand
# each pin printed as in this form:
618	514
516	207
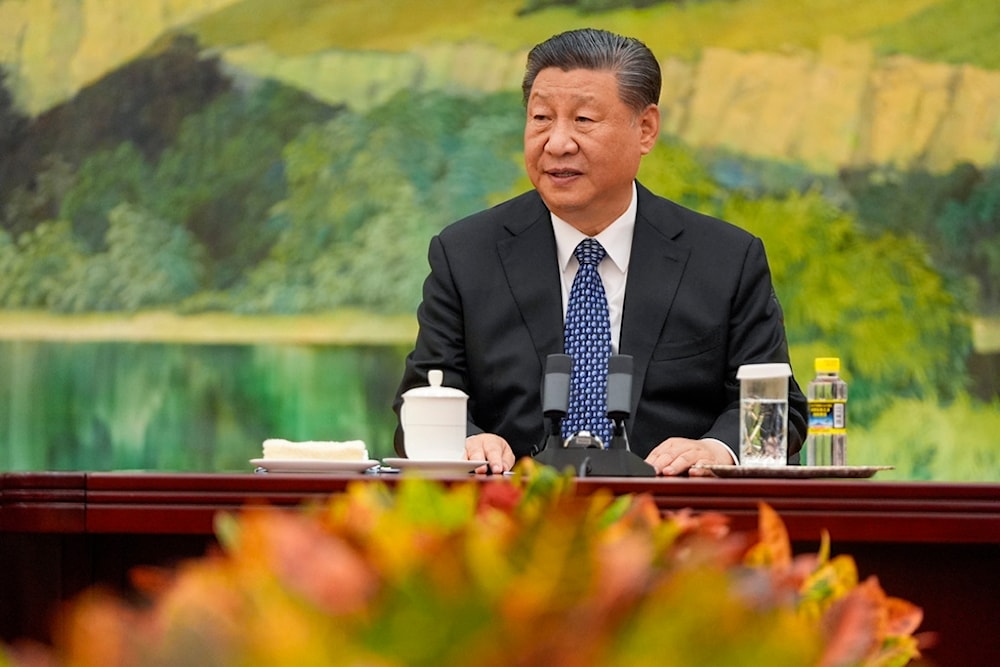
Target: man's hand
675	456
491	448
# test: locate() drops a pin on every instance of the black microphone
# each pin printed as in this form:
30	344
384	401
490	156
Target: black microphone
619	386
555	398
619	397
555	390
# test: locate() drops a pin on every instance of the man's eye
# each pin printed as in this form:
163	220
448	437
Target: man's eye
583	119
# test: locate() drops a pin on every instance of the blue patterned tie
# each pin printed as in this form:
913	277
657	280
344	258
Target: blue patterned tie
587	338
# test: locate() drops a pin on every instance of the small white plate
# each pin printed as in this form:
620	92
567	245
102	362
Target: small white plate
433	466
310	465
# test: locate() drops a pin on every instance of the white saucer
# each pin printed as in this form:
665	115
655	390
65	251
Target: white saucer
428	466
311	465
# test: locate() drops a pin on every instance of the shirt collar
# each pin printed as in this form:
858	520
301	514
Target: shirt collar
616	237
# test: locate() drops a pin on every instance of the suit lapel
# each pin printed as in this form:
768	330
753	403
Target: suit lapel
529	261
654	273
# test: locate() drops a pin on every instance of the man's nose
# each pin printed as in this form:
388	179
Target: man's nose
562	139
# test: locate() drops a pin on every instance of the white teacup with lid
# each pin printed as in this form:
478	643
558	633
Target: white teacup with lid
434	421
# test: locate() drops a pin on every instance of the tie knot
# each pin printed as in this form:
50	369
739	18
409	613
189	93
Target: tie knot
590	251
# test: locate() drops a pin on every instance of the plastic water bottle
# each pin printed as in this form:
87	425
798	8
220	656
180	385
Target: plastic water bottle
826	443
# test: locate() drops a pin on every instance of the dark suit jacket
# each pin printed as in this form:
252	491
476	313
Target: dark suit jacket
698	304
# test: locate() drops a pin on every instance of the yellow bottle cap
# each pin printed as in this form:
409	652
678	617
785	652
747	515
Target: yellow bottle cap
827	365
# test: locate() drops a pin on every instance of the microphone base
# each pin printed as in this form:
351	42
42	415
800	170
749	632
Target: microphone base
591	462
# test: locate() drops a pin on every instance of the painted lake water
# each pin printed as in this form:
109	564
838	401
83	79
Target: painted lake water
183	407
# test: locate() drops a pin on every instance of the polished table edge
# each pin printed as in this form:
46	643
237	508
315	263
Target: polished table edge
853	510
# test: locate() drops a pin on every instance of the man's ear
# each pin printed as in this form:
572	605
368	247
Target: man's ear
649	125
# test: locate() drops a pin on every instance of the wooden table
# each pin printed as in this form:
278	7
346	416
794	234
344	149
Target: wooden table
935	544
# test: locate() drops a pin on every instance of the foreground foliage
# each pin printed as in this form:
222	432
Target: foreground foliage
511	572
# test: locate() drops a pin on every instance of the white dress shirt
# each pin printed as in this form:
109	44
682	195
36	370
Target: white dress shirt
617	242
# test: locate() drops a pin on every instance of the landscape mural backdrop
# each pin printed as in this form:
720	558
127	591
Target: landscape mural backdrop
214	214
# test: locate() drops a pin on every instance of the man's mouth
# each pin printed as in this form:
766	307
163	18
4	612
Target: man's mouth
562	173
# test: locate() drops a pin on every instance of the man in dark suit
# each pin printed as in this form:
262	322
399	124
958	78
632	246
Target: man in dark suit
689	297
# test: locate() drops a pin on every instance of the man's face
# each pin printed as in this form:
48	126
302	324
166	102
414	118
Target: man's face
582	145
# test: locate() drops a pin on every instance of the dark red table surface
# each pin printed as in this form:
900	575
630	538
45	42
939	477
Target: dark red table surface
857	510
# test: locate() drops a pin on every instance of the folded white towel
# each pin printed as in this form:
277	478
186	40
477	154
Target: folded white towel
315	450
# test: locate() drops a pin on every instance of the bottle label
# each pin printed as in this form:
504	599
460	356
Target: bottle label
828	417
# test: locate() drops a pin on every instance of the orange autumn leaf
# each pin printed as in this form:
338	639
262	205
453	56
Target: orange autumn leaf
773	548
497	496
623	568
151	580
868	627
713	525
98	630
851	625
309	560
904	616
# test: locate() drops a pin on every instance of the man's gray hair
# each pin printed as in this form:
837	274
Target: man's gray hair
633	64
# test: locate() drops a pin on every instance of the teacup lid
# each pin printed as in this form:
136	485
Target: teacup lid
435	390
